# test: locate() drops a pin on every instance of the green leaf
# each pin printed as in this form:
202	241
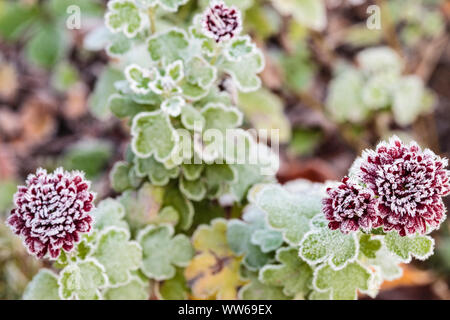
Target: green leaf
265	112
82	281
15	18
287	212
408	95
221	117
217	176
199	72
192	171
124	16
293	274
193	189
244	71
417	246
343	284
153	134
239	235
239	47
104	88
90	156
158	174
109	212
140	78
43	286
369	246
7	190
118	45
119	176
174	197
247	175
46	47
173	106
257	290
123	106
168	45
118	254
191	118
387	263
173	289
344	97
379	59
162	252
167	5
311	13
135	289
323	244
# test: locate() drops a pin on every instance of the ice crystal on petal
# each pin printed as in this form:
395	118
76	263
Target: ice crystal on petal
51	211
221	22
350	207
409	183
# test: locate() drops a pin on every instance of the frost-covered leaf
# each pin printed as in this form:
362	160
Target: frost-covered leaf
124	16
157	173
109	212
239	47
162	251
123	106
191	118
82	281
122	177
293	274
173	105
265	112
217	176
343	284
118	45
168	45
174	197
388	264
256	290
323	244
221	117
104	88
118	254
144	207
344	97
268	240
245	71
311	13
135	289
193	189
369	246
200	72
214	271
247	175
140	78
417	246
379	59
239	235
43	286
192	171
175	288
153	134
287	212
407	104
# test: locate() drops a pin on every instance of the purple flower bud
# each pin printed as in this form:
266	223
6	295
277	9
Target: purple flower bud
350	207
51	211
221	22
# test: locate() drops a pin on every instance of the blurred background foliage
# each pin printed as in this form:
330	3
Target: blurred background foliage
331	85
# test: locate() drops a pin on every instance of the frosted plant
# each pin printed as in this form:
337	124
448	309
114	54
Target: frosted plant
376	83
52	211
409	182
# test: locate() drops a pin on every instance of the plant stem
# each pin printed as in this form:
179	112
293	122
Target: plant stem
151	15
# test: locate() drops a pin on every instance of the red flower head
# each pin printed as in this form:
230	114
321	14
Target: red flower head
409	183
221	22
350	207
51	211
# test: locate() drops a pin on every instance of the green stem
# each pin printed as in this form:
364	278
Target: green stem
151	15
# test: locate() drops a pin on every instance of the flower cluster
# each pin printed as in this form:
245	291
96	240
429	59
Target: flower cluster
408	184
51	211
349	207
221	22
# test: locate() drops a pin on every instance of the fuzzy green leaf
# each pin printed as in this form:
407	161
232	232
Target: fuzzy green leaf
343	283
162	252
43	286
153	134
293	274
158	174
124	16
420	247
109	212
117	254
168	45
135	289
